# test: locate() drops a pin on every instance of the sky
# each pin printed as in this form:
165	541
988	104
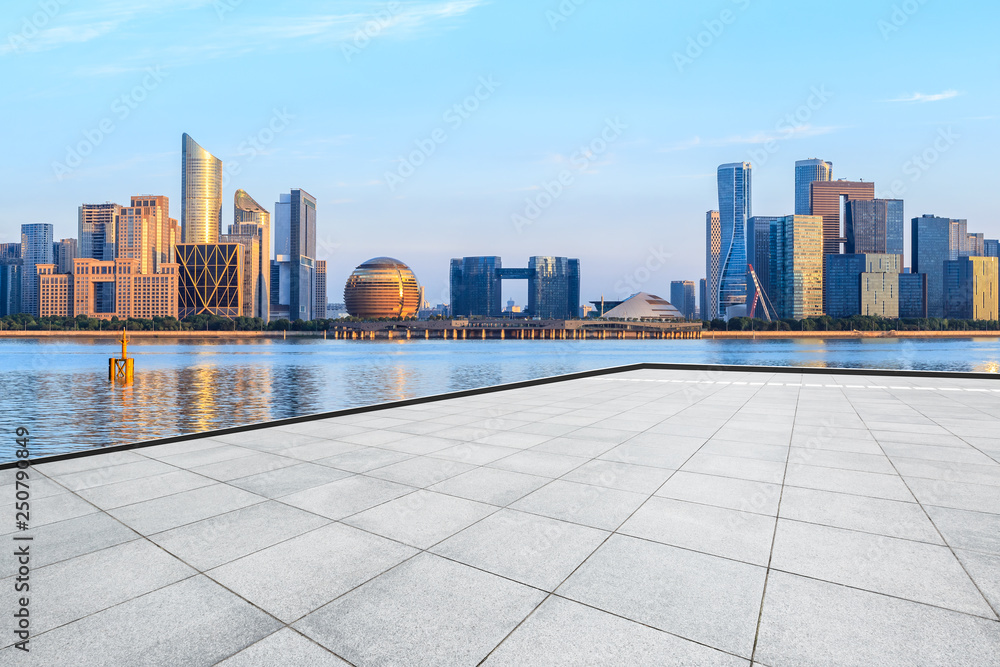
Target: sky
432	129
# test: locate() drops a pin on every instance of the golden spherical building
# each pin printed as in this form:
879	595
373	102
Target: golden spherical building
382	287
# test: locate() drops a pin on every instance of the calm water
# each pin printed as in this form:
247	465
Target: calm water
59	389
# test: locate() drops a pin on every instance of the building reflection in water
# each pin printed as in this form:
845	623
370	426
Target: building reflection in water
367	384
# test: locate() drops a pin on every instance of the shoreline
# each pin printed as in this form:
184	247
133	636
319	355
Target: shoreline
710	335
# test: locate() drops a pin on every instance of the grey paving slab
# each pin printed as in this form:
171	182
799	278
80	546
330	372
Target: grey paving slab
706	599
363	460
957	495
985	572
826	458
862	513
159	514
668	456
284	647
809	623
67	539
427	611
304	573
562	632
346	496
969	473
595	506
474	453
205	456
421	471
542	464
287	480
876	485
69	590
622	476
82	463
48	509
719	531
733	466
534	550
421	519
133	491
244	466
906	569
95	477
491	485
193	622
967	529
738	494
220	539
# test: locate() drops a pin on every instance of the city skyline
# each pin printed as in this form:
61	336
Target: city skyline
341	137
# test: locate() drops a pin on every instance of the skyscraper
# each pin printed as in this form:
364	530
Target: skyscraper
702	295
97	228
11	270
798	277
713	255
991	248
862	284
825	200
36	248
682	297
913	295
554	287
295	254
934	241
201	193
761	230
874	226
210	279
975	246
250	219
64	251
807	171
320	309
735	209
164	231
475	287
971	288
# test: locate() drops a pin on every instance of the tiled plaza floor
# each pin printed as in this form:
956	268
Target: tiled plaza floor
654	517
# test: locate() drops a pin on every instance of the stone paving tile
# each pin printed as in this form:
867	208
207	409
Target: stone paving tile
364	459
811	623
347	496
427	611
876	485
844	460
295	577
574	445
287	480
668	456
622	476
956	495
193	622
594	506
714	530
320	449
474	453
421	471
737	494
533	550
202	457
284	647
82	463
88	479
71	538
542	464
244	466
985	572
901	568
562	632
159	514
133	491
967	529
421	519
734	466
491	485
706	599
970	473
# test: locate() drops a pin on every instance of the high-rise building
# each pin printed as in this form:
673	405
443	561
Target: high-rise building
320	309
295	254
713	261
554	287
36	248
64	251
211	279
702	296
735	209
682	297
991	248
10	251
761	231
475	287
807	171
11	271
862	284
164	231
874	226
975	246
971	288
137	295
97	226
798	276
55	292
934	241
201	193
250	219
913	295
825	200
250	245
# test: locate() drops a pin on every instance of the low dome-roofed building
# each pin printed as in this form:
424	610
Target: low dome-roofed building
382	287
643	306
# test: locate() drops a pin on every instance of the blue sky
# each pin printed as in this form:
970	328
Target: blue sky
632	104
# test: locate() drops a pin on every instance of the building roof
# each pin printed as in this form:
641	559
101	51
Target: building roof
643	306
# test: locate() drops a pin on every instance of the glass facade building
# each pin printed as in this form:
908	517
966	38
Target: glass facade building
64	251
10	286
475	287
735	209
682	297
251	220
382	287
798	276
934	241
201	193
295	255
991	248
761	231
825	199
36	248
210	280
913	295
554	287
970	288
874	226
713	254
807	171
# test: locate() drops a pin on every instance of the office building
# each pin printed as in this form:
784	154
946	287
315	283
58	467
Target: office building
970	288
164	232
713	255
382	287
798	276
913	295
806	172
854	285
10	251
210	279
295	256
201	193
36	248
97	226
250	219
11	271
475	287
55	292
64	251
991	248
702	297
250	247
934	241
682	297
553	287
137	295
975	246
735	209
760	234
874	226
320	309
825	200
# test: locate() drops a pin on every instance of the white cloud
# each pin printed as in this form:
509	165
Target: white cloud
757	138
922	97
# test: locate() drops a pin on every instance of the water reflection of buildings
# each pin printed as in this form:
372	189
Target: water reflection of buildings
369	383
